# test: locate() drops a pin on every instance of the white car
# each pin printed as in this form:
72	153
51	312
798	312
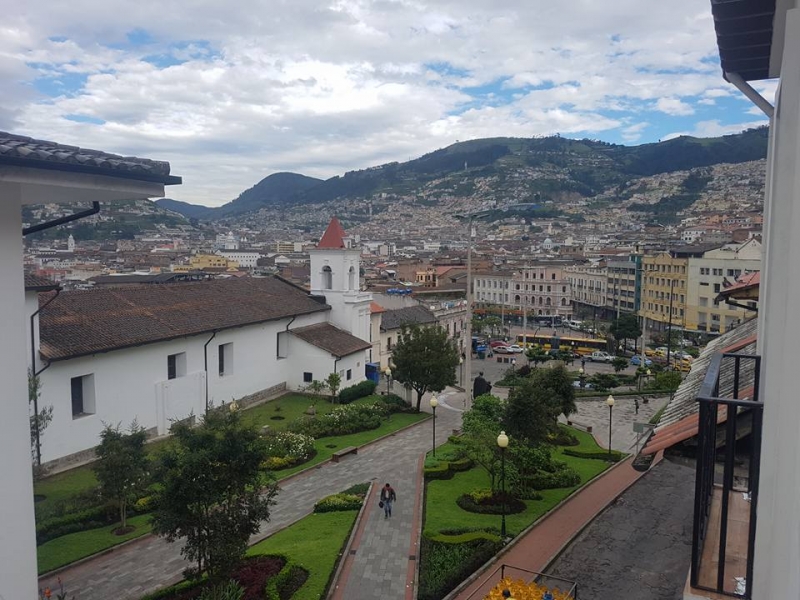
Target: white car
600	356
514	349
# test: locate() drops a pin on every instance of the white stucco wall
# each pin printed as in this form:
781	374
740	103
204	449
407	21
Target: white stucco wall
17	526
132	383
777	552
320	363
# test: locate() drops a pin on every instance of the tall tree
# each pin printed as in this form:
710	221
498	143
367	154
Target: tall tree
625	328
534	406
481	424
122	467
425	359
211	491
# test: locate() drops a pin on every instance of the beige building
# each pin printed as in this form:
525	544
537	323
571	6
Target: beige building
492	287
664	287
543	289
708	275
588	283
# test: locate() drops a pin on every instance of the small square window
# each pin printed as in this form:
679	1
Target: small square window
308	377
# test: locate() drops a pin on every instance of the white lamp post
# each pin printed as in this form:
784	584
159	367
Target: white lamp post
502	442
388	373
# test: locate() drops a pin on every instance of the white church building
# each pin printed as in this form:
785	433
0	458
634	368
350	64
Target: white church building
161	353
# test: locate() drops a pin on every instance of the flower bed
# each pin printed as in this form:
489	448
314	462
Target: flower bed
488	503
525	591
286	449
344	420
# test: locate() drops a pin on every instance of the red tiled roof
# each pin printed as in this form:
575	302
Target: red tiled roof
332	339
37	283
78	323
334	235
374	308
746	282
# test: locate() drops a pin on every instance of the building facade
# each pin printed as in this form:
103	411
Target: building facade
664	289
543	289
588	284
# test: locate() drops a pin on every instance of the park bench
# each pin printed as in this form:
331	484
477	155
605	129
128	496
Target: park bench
344	451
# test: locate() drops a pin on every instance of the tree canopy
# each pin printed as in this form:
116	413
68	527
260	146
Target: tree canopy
626	327
425	359
534	406
211	491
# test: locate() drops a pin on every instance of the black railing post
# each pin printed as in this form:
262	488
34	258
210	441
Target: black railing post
727	488
698	492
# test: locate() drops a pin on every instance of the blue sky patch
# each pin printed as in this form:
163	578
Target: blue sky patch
62	84
84	119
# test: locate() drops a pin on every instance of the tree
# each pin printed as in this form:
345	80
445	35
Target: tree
537	354
625	328
604	381
333	381
38	421
316	388
425	359
210	491
493	323
619	363
122	468
481	426
477	326
534	406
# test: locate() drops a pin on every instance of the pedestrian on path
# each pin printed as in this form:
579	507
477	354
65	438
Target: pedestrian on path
387	498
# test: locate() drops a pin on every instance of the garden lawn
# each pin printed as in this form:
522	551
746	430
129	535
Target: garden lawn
63	486
314	543
74	546
291	407
442	512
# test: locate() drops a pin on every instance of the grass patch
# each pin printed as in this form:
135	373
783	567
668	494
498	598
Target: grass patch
62	487
314	543
74	546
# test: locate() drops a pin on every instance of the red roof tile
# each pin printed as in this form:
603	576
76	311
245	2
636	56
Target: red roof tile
374	308
336	341
334	235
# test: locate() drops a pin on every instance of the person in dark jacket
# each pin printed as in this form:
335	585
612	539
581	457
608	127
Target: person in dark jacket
480	386
387	499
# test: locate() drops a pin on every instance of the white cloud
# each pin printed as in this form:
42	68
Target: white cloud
674	106
714	128
321	88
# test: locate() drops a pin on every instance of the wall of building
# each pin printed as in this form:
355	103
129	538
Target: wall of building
664	276
307	358
543	290
132	383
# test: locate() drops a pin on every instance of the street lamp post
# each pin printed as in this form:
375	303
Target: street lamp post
610	402
461	370
434	404
388	373
582	377
502	442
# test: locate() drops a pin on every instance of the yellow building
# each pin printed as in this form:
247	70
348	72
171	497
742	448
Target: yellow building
664	285
199	262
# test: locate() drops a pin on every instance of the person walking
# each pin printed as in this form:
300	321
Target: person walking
387	499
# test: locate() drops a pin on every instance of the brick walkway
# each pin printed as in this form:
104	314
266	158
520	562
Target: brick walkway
138	568
535	550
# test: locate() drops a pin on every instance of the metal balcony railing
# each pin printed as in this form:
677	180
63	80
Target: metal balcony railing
726	486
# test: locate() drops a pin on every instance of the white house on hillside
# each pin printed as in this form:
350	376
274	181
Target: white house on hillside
162	353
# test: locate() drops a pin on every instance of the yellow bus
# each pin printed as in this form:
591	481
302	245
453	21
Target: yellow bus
579	345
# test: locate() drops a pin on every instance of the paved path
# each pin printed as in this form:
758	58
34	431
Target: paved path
640	548
148	564
540	545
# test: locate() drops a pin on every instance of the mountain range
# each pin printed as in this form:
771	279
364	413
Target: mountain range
553	167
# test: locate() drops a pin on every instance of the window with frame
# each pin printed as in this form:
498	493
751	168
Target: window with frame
308	377
349	374
176	365
82	396
225	352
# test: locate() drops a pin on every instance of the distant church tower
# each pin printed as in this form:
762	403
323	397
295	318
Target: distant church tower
336	274
71	243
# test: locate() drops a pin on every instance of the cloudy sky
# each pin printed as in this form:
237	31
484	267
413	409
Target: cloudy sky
230	92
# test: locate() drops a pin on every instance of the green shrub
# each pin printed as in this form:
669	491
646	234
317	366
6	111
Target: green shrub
354	392
343	420
440	471
276	463
91	518
444	565
230	590
455	439
487	503
338	502
465	536
603	455
286	583
563	438
142	505
396	404
286	449
462	464
359	489
563	476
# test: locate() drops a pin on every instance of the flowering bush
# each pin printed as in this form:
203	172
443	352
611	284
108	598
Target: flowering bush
338	502
525	591
343	420
286	444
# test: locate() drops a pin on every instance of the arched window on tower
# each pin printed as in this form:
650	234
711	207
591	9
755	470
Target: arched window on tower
327	278
351	278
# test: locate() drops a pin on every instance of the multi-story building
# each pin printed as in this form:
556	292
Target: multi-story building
588	283
664	285
708	275
543	289
624	288
492	287
245	258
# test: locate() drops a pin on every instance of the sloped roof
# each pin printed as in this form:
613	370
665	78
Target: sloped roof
332	339
22	151
745	287
375	308
744	36
79	323
37	283
334	235
679	421
410	315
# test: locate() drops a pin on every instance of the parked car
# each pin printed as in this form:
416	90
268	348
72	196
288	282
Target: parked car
501	349
600	356
586	385
636	361
498	343
514	349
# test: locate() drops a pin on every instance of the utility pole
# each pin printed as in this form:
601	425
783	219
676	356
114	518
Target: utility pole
669	323
468	362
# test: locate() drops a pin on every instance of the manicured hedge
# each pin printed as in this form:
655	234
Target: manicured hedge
354	392
90	518
397	404
284	585
440	471
614	456
560	478
492	506
445	565
338	502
